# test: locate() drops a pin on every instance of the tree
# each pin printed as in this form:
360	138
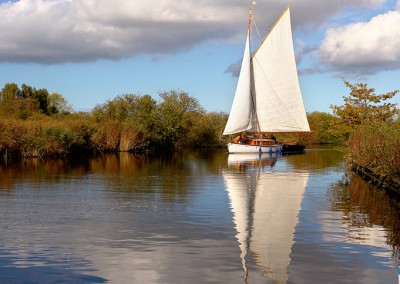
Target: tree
126	107
27	91
175	118
207	131
362	106
41	97
9	92
320	125
57	104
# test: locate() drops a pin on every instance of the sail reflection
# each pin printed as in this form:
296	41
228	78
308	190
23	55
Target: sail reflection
265	205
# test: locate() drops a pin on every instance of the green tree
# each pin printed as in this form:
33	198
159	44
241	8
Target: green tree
207	131
362	106
27	100
41	97
27	91
134	116
320	125
128	106
175	118
9	92
58	104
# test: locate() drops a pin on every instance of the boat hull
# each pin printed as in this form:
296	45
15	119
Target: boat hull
245	148
293	149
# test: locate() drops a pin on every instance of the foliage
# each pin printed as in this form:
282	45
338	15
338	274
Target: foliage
321	132
207	131
58	104
124	123
320	125
41	96
362	106
37	123
376	146
175	117
125	107
9	92
131	122
44	136
25	102
107	136
371	129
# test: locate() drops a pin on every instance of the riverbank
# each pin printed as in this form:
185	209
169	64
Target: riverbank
375	155
389	184
81	135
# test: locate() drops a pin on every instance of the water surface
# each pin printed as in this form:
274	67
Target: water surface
195	218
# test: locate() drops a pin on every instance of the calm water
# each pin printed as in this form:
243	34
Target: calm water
195	218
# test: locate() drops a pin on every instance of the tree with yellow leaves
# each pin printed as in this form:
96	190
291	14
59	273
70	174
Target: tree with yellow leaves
362	106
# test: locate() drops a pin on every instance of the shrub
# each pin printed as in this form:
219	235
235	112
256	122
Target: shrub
376	146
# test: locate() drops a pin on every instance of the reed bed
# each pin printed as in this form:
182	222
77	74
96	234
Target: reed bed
43	137
376	147
50	137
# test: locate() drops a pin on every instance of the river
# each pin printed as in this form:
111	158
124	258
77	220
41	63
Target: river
195	218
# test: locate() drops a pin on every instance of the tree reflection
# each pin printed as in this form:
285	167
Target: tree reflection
37	170
170	174
317	158
364	206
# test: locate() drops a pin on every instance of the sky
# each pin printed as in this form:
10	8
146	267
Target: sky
91	51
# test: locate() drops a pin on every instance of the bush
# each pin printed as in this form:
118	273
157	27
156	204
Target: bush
57	141
132	137
11	139
376	147
107	136
42	136
127	123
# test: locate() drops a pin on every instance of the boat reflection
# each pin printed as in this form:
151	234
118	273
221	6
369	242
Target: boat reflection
265	204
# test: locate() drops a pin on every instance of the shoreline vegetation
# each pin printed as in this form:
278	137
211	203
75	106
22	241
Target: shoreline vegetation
370	128
36	126
35	123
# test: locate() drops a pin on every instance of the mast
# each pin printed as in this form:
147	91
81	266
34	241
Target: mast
250	19
251	74
251	92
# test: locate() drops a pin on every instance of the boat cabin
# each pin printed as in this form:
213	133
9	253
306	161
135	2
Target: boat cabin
256	141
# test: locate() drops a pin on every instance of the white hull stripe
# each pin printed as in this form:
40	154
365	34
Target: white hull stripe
243	148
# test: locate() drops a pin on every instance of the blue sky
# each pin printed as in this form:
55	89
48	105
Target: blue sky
90	51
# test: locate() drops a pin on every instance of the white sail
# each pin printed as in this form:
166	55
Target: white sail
268	96
276	89
242	107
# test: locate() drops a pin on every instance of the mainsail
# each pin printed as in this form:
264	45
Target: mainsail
268	86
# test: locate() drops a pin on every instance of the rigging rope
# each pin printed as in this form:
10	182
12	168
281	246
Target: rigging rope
255	25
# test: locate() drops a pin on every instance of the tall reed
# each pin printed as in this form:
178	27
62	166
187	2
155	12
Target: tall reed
43	137
376	147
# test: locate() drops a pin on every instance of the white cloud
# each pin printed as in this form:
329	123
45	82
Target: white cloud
365	47
62	30
56	31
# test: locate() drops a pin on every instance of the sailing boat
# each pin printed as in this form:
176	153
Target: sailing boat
268	98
